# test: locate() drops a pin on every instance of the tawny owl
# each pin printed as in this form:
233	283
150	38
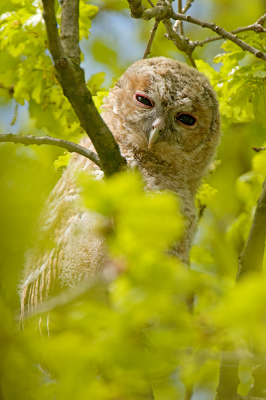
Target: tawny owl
165	117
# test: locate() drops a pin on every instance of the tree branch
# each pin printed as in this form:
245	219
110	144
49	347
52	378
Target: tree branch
71	78
254	27
228	379
187	6
55	46
262	19
181	27
136	8
70	29
183	11
151	3
164	11
251	258
180	41
65	144
222	33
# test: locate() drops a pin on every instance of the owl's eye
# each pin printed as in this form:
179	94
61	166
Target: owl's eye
144	100
186	119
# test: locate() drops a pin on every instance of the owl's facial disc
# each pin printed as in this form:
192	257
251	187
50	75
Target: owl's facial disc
157	127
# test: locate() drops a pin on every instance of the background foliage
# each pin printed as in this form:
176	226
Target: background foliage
96	347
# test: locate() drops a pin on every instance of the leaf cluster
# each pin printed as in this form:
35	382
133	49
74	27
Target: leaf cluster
102	347
27	73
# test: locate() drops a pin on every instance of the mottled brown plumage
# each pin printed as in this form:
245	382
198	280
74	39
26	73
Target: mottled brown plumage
165	117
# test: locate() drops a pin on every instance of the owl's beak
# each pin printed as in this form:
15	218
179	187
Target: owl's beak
157	127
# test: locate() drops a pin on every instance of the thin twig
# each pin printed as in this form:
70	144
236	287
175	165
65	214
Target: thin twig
207	40
187	6
153	31
262	19
151	3
223	33
181	28
183	11
191	59
258	149
165	12
254	27
65	144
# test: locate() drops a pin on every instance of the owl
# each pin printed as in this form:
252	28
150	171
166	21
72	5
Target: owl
165	117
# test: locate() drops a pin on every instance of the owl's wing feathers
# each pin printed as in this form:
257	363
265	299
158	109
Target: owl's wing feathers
69	245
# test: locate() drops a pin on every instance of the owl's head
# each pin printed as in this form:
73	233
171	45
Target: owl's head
162	105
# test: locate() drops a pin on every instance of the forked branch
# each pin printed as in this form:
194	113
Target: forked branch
164	12
65	54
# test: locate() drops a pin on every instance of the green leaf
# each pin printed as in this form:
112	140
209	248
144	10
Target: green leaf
99	99
259	163
259	104
63	161
205	68
95	82
86	12
248	186
206	194
103	53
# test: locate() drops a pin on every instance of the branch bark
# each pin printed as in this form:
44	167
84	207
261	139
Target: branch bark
222	33
164	11
65	55
228	379
136	8
65	144
251	258
70	29
262	19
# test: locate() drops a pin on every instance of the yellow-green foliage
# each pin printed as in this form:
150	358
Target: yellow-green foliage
104	349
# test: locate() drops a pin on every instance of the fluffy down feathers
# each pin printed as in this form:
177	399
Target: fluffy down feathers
153	95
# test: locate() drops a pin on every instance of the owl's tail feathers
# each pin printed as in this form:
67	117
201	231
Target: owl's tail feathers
40	284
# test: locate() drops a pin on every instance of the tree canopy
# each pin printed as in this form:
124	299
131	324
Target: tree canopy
102	350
